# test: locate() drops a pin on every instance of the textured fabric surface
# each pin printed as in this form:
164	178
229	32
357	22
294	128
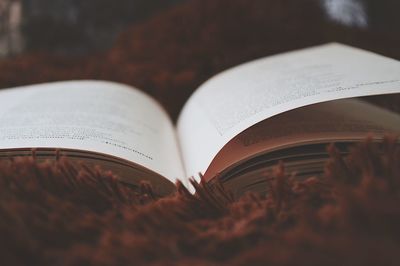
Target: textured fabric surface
55	213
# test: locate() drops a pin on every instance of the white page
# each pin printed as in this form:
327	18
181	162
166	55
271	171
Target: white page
317	123
97	116
240	97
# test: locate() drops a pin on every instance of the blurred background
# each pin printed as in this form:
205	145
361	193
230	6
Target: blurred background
82	26
69	26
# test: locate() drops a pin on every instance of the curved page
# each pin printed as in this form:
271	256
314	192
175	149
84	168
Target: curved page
97	116
240	97
345	120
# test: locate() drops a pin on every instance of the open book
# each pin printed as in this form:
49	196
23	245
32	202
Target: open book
237	125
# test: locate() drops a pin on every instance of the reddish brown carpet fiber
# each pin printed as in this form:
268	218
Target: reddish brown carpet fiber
56	213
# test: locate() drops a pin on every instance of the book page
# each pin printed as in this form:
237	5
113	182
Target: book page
320	123
240	97
102	117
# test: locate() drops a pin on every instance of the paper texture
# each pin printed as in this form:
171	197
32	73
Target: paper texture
245	95
96	116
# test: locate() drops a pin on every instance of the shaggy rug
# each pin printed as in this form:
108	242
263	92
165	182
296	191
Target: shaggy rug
56	213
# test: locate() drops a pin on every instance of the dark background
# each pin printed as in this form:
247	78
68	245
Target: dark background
84	26
72	26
